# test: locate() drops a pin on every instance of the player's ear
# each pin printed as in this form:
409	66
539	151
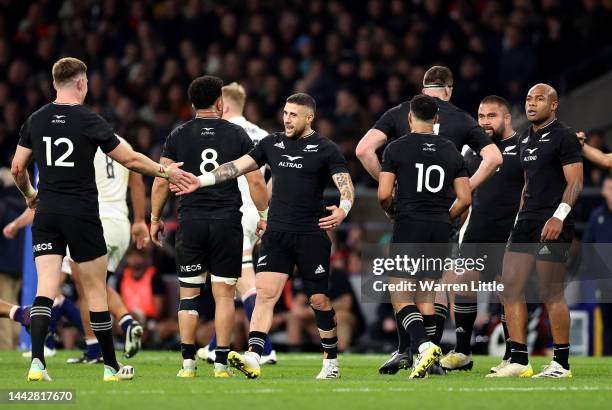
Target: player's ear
554	105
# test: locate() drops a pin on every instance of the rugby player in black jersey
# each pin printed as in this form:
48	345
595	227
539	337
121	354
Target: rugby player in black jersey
302	162
494	206
427	169
209	237
551	157
62	137
461	129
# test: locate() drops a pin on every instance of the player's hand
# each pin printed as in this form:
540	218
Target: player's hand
10	230
261	227
192	185
32	201
552	229
140	234
581	137
332	221
390	216
181	179
157	232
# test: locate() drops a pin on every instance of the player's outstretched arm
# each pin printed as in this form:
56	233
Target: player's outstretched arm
366	151
140	232
344	183
159	196
463	192
491	160
593	154
574	178
19	169
222	173
386	184
11	229
140	163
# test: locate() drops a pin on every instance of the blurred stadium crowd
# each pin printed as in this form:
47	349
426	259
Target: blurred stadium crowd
357	58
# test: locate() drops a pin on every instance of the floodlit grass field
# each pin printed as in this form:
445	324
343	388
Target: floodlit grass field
290	385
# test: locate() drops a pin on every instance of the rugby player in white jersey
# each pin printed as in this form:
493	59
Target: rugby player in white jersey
234	97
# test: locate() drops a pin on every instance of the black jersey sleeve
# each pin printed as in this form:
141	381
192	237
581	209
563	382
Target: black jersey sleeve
570	150
388	162
387	123
461	167
258	152
336	162
472	161
100	133
169	150
246	143
24	134
477	138
462	170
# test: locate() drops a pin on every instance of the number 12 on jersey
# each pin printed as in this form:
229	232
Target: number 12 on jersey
428	172
61	161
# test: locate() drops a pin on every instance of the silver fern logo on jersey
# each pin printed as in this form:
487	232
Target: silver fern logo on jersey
58	119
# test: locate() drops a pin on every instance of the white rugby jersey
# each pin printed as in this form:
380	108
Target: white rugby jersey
112	182
255	133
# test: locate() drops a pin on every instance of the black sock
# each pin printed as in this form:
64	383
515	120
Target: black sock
508	351
403	337
330	347
188	351
102	326
40	316
429	322
257	340
519	354
561	355
221	354
441	311
465	309
412	321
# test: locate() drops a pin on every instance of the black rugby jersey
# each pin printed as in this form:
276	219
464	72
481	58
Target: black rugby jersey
64	139
543	155
203	144
496	201
301	169
454	124
425	166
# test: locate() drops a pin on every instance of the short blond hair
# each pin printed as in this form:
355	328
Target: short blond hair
67	69
236	93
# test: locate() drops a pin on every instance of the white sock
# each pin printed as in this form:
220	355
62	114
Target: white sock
425	346
12	312
255	355
124	318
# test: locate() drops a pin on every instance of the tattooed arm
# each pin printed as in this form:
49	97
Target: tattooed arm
347	197
224	172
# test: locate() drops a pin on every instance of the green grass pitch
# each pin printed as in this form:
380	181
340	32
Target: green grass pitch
290	385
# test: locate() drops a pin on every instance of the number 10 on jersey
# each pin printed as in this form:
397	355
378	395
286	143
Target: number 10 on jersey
428	178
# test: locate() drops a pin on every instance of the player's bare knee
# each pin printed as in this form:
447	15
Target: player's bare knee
320	301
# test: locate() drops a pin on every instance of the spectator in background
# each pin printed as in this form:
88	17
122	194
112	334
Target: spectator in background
599	230
142	288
